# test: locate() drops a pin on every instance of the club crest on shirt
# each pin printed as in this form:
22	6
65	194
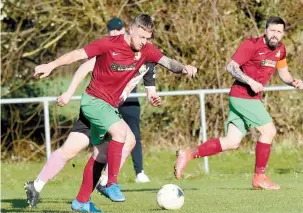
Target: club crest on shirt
268	63
278	54
137	56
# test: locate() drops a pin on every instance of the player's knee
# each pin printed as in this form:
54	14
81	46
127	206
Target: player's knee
228	143
270	132
67	154
234	145
100	152
100	157
131	144
119	133
273	132
130	141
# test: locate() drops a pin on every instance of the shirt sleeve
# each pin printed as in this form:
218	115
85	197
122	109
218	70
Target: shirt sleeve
153	54
282	63
149	79
283	53
97	47
244	52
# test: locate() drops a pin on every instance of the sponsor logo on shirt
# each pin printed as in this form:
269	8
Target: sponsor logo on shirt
120	68
268	63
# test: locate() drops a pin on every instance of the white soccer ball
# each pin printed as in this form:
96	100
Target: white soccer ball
171	197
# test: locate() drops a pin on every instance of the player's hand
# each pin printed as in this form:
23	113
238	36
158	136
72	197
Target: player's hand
255	86
155	100
64	99
44	70
189	70
297	83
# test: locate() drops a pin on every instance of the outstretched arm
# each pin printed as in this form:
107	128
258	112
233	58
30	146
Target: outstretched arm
177	67
68	58
234	69
79	75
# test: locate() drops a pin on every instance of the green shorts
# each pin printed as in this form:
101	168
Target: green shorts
101	116
246	113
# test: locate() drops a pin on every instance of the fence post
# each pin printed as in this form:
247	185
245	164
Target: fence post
47	128
203	127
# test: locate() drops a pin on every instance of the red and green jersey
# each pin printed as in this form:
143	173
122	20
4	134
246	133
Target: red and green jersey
116	64
258	62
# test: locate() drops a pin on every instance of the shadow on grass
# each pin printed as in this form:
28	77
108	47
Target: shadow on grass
16	203
35	210
236	189
157	210
283	170
21	205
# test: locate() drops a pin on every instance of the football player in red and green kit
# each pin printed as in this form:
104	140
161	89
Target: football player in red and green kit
118	60
252	66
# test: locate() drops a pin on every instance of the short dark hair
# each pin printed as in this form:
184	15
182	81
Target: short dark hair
143	21
275	20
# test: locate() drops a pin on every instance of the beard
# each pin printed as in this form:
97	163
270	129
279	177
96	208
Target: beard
271	45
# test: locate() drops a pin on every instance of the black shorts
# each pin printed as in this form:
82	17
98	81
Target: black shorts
82	125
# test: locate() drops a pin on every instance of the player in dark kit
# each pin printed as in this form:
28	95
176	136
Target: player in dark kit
252	66
118	60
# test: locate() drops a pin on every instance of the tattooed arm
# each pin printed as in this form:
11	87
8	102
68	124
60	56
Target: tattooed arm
177	67
171	64
234	69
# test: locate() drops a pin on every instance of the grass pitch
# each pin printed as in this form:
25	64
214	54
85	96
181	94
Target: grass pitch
226	189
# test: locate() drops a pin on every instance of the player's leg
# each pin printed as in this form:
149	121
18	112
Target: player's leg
210	147
91	175
263	149
107	120
131	115
74	143
127	148
254	114
235	130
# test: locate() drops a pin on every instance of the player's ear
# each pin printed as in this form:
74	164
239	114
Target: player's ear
131	29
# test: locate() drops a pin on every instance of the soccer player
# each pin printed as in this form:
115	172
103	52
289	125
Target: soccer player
252	66
118	61
130	111
79	136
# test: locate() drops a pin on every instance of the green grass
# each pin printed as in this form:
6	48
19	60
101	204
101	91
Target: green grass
226	189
